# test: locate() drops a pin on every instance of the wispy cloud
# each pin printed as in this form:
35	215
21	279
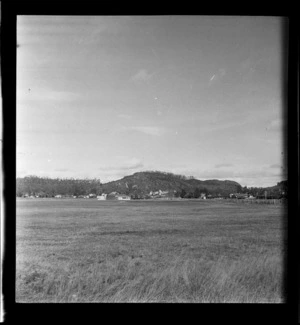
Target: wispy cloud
34	94
141	76
132	163
22	172
254	176
120	169
125	116
150	130
221	126
275	125
223	165
129	164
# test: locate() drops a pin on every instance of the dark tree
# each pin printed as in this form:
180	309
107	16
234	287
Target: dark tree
197	193
183	193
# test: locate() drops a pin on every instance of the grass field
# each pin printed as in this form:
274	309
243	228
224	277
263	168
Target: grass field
139	251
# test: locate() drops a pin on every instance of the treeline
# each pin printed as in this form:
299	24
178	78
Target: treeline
166	175
140	184
198	192
278	191
49	187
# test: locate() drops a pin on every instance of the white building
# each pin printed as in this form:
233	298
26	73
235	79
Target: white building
102	196
123	197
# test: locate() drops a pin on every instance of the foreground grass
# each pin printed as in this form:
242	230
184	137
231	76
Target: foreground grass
162	252
129	280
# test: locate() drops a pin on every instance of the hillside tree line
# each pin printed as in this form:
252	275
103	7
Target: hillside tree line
140	184
49	187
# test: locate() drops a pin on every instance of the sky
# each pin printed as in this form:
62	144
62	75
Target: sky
107	96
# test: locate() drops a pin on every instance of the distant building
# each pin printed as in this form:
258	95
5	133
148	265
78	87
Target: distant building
102	196
238	196
123	197
112	196
163	192
159	193
58	196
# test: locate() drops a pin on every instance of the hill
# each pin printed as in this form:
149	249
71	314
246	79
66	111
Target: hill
142	183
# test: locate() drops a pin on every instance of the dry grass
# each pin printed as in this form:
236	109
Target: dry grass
91	251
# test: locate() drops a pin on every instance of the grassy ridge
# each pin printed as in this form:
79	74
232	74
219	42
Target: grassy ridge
149	252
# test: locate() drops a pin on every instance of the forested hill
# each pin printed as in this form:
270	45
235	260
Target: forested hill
142	183
139	185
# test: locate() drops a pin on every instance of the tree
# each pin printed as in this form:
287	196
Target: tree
197	193
244	189
239	189
189	195
182	193
177	194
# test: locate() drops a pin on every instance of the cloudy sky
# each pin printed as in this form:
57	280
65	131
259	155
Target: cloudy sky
105	97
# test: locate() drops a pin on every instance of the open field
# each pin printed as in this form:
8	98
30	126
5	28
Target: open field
163	251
